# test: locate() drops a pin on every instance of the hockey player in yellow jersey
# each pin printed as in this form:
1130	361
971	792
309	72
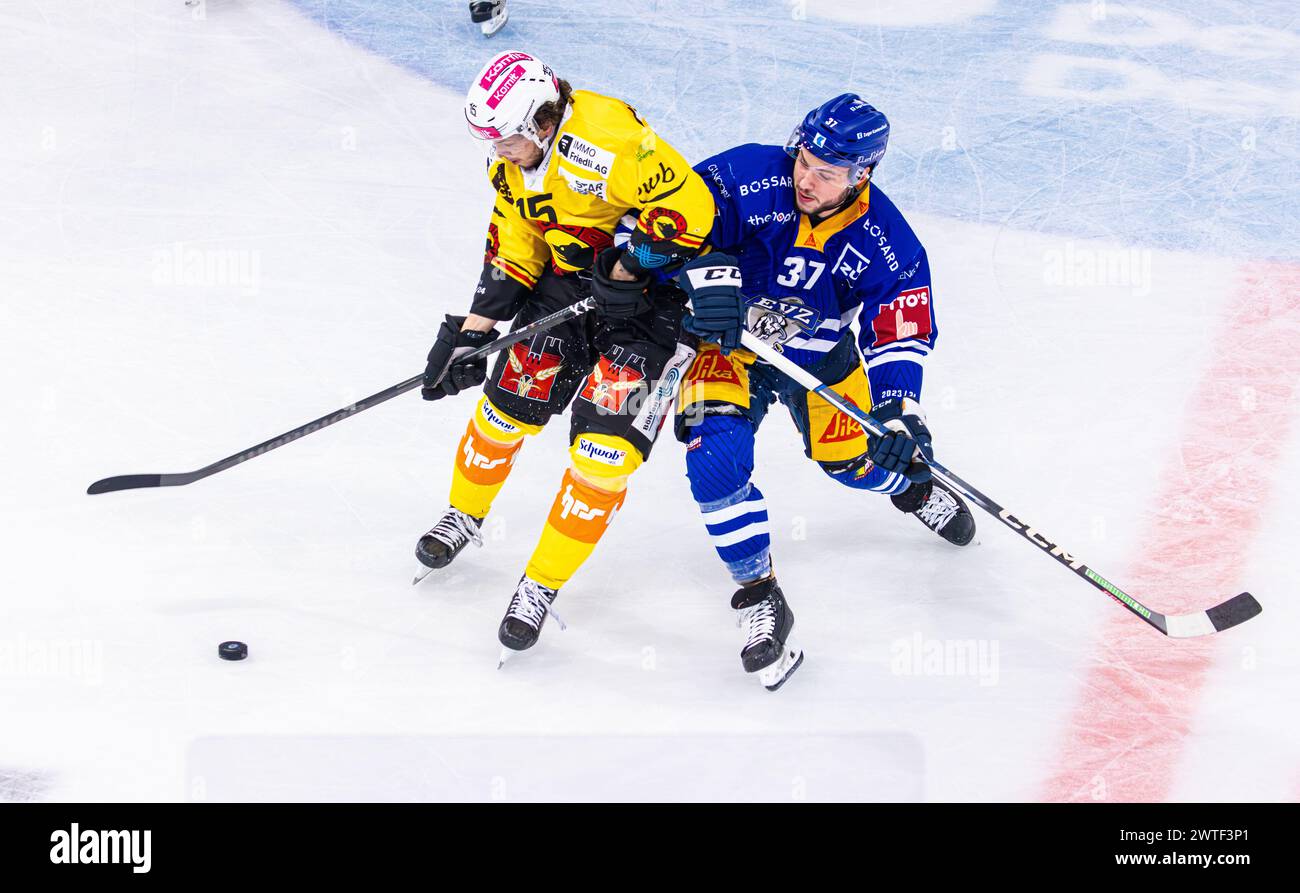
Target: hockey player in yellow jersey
566	166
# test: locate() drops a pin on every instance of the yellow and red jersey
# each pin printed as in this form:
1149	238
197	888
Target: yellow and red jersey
603	162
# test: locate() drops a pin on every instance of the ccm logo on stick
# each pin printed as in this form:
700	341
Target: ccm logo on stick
1039	540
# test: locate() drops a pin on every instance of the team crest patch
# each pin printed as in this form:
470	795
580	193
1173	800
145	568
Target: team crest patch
610	383
529	373
776	320
664	223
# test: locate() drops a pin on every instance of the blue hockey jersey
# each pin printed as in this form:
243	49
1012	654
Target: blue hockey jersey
804	284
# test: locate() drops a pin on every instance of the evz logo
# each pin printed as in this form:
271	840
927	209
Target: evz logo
777	321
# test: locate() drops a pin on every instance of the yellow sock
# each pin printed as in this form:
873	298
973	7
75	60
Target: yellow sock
484	458
591	494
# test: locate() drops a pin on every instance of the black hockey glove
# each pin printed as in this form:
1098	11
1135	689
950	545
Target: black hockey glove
905	449
444	376
712	282
615	299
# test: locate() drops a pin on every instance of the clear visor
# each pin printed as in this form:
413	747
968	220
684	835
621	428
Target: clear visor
799	139
493	135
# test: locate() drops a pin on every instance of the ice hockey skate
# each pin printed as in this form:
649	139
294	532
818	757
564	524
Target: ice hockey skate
489	15
767	621
524	617
439	547
939	509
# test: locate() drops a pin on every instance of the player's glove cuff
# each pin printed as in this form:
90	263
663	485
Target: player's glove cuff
906	447
712	282
446	372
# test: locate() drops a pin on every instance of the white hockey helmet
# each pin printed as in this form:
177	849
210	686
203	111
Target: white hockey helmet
506	95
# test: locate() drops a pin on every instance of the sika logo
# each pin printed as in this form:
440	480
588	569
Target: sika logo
77	847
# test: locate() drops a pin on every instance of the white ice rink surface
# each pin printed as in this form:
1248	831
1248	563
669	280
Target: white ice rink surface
345	201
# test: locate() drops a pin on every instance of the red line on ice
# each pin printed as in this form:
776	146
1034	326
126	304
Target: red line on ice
1125	737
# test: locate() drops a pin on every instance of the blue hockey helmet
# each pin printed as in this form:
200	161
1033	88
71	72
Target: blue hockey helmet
846	131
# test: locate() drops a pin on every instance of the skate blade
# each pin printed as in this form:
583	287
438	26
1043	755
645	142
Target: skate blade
775	676
495	24
421	573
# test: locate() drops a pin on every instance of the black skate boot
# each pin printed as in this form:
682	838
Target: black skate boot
524	618
454	531
489	15
768	620
939	509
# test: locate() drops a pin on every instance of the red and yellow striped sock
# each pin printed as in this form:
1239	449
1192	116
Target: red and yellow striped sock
591	494
484	460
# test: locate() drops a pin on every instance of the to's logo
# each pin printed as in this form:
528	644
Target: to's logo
907	316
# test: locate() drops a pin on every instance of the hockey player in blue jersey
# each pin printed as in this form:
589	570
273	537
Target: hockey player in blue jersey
803	243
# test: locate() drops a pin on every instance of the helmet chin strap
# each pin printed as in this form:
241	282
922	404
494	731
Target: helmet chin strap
537	140
850	193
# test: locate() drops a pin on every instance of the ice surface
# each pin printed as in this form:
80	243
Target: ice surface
218	223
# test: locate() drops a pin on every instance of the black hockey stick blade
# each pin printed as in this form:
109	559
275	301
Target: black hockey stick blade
1238	609
125	482
145	481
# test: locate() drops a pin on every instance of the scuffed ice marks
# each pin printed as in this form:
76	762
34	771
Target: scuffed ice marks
23	785
1169	125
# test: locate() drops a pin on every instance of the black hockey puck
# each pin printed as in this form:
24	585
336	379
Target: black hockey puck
232	651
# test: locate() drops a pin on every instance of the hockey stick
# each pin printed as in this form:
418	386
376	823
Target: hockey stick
136	481
1238	609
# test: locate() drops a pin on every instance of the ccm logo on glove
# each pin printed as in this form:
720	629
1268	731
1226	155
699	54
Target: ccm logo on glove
703	277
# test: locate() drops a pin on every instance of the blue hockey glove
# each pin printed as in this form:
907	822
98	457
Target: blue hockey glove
712	282
905	448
